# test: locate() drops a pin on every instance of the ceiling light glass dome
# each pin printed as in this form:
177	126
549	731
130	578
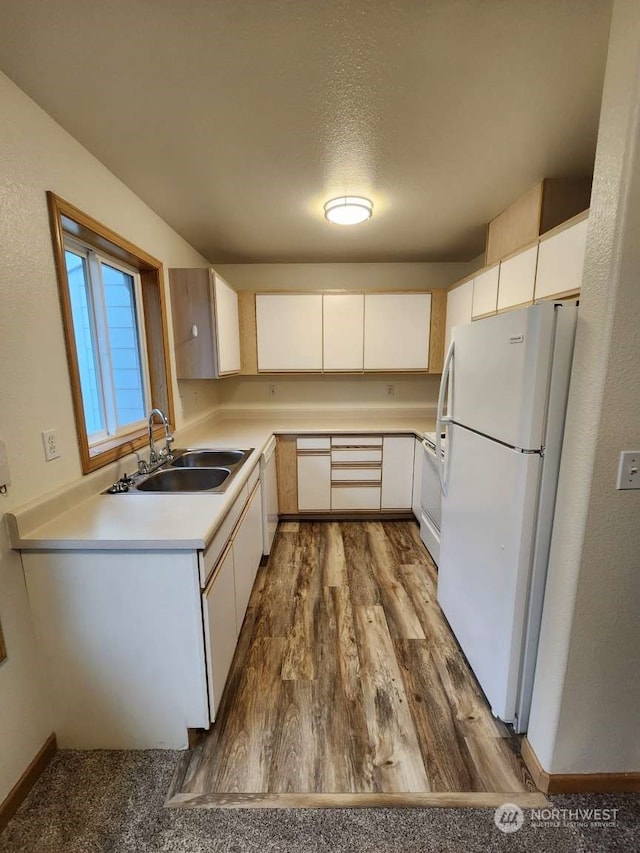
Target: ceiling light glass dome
348	210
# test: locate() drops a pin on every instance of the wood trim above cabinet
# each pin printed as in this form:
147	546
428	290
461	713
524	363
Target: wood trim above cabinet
438	330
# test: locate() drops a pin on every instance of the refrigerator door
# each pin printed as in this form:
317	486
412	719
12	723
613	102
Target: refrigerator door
488	524
500	375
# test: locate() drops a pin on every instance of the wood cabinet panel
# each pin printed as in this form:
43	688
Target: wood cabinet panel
289	331
485	293
343	331
206	326
193	323
517	279
397	331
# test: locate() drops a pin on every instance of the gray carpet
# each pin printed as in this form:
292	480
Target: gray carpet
111	802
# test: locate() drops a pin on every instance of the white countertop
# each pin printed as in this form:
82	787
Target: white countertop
151	521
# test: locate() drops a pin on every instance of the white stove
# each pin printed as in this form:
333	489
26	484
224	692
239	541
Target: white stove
431	497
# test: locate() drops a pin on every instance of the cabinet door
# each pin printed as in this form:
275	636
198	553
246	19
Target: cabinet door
459	302
289	330
343	331
397	331
191	312
397	472
314	482
560	262
227	326
418	457
517	279
220	627
247	552
485	293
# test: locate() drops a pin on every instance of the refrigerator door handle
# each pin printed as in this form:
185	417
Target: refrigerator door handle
441	418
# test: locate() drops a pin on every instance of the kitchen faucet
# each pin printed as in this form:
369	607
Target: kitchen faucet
165	453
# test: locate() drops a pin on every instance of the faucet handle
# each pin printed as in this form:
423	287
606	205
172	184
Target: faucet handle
143	465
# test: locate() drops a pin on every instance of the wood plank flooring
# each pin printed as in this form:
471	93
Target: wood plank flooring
348	683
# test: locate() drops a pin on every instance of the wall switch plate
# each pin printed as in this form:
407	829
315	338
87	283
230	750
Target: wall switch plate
50	442
629	470
273	390
5	477
391	390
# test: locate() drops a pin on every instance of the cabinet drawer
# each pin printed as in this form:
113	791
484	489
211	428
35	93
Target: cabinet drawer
358	475
356	441
212	552
313	442
372	455
355	497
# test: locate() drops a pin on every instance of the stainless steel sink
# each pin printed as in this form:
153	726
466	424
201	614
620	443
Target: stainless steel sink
208	458
190	470
185	480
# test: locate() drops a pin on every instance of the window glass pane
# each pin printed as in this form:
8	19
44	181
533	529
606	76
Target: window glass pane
124	346
86	349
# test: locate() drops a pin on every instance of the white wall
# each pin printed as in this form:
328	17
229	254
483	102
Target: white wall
391	276
37	155
329	391
585	716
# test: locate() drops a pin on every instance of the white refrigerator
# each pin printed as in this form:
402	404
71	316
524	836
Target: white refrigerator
506	381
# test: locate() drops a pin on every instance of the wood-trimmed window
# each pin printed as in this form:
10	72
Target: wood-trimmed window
115	326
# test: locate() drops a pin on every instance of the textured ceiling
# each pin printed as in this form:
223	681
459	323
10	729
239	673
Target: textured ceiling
236	119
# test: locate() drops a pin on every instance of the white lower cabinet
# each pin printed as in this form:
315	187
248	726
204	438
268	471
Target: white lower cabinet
226	596
220	627
247	552
397	471
314	481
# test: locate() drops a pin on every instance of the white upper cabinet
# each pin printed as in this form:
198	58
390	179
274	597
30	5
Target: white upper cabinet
560	261
206	329
225	302
396	331
459	304
517	279
343	331
485	292
289	331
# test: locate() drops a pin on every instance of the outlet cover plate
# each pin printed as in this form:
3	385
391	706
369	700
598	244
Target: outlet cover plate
629	470
50	443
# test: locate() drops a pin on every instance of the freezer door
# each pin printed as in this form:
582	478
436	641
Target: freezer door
488	522
501	371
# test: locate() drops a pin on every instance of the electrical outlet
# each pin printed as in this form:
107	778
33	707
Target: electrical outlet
391	390
50	442
629	470
273	390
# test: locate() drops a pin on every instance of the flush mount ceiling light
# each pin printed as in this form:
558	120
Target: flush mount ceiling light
348	210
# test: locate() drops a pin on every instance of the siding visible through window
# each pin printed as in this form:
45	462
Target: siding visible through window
107	331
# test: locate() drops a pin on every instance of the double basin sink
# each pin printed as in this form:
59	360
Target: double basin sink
194	471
